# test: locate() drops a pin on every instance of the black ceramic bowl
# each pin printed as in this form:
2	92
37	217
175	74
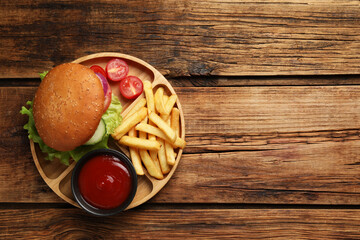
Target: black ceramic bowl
75	187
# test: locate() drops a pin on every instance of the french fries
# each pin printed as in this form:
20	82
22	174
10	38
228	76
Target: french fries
152	167
136	108
169	132
135	156
175	125
144	127
151	130
170	104
130	122
149	95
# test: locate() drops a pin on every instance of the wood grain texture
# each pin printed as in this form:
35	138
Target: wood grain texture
181	224
247	81
19	177
296	145
182	38
225	81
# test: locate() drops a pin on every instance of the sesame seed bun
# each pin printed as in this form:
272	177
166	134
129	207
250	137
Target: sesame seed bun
68	106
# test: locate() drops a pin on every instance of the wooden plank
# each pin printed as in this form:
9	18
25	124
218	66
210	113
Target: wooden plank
297	173
256	110
181	224
19	177
181	38
295	145
224	81
247	81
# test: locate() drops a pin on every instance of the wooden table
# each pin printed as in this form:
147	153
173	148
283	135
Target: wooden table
271	97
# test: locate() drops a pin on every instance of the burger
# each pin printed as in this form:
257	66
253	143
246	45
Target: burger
72	113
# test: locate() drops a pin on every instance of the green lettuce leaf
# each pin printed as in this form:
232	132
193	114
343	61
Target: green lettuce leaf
78	152
43	74
112	116
34	135
112	119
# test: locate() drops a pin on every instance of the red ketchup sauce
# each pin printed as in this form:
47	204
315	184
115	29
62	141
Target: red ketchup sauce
104	182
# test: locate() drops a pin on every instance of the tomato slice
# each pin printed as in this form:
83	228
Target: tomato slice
131	87
98	69
107	101
117	69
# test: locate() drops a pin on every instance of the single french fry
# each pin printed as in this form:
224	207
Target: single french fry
150	102
170	133
175	125
150	165
157	163
137	107
170	104
170	155
130	122
136	160
175	121
139	143
165	116
162	157
159	102
169	150
135	156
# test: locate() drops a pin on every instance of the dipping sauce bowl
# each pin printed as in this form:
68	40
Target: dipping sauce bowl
104	182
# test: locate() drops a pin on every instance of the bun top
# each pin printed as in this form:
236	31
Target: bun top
68	106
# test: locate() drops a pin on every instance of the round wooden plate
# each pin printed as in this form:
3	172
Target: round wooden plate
58	176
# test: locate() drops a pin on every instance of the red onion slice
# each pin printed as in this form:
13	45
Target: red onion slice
107	90
104	82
